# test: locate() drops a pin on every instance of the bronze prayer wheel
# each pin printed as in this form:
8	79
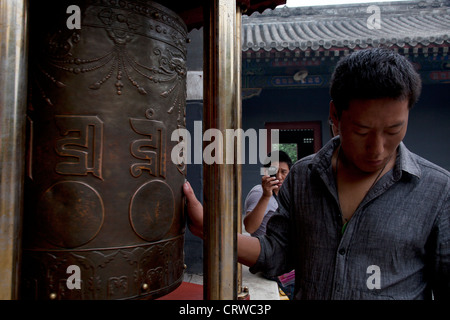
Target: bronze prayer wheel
102	194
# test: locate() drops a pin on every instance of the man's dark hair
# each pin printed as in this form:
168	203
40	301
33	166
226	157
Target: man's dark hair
374	74
282	157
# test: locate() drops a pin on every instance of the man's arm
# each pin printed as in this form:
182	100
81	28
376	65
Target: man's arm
441	272
254	218
248	247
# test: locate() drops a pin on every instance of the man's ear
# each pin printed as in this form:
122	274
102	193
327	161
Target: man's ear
333	113
334	119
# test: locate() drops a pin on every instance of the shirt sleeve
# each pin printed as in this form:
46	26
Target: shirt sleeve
441	274
252	199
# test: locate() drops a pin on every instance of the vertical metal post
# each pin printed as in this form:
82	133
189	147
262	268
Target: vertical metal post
220	227
13	97
238	116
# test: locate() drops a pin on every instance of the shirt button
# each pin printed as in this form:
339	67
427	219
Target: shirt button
342	251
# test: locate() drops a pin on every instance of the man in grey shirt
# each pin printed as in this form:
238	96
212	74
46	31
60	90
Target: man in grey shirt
260	203
364	218
251	201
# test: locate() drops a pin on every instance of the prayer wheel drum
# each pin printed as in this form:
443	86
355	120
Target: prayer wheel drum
104	206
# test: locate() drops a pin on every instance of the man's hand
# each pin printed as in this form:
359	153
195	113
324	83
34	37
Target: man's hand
269	184
195	211
248	247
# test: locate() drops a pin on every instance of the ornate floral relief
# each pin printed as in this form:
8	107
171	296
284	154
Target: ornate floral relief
59	45
117	286
118	63
173	67
110	274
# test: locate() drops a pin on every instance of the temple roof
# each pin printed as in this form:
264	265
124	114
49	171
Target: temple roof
409	24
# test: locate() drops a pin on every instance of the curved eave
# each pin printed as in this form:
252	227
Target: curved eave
323	33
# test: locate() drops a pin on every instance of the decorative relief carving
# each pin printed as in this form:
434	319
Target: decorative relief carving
152	149
111	273
83	140
155	277
122	28
156	17
129	58
117	286
152	210
70	214
173	66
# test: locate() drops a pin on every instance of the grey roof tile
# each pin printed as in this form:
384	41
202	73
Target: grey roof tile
410	24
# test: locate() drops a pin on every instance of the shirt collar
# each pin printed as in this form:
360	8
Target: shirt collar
405	161
322	159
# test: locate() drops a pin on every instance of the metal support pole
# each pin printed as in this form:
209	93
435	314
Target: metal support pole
220	227
242	292
13	97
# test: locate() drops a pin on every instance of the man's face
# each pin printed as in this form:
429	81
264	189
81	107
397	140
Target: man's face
282	172
371	130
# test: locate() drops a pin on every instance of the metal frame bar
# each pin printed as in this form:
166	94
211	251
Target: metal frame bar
13	98
221	111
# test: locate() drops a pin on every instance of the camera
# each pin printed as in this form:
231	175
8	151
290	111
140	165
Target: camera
269	171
